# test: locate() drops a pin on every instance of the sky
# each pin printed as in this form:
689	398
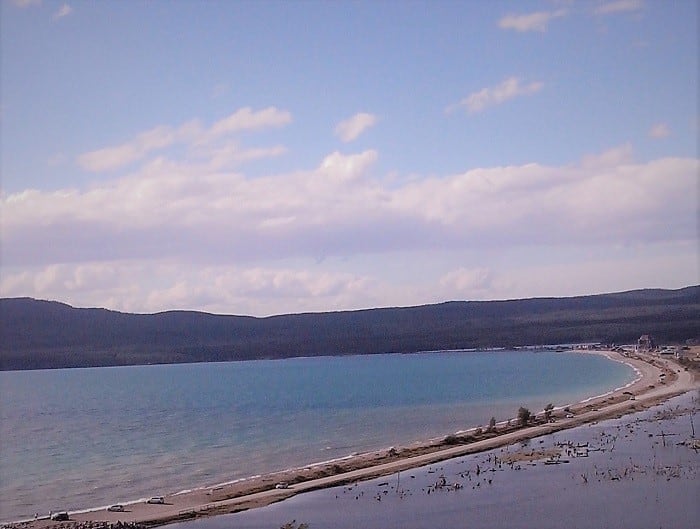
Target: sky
269	157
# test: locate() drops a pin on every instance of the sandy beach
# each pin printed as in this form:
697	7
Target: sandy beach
659	379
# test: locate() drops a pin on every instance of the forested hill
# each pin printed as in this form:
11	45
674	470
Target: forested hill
47	334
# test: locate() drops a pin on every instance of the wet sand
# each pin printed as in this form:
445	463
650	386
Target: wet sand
659	379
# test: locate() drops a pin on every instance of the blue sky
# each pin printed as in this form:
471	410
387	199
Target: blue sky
269	157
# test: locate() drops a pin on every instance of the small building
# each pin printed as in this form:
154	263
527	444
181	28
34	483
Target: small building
645	343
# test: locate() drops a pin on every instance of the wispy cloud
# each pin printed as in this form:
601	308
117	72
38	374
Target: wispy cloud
659	130
531	21
63	11
192	134
619	6
247	119
491	96
110	158
26	3
351	128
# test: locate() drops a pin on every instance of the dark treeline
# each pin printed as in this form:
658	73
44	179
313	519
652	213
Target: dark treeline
47	334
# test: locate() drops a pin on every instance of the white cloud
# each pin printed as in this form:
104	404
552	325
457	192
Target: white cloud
351	128
660	130
619	6
496	95
247	119
345	168
111	158
63	11
191	134
530	22
179	211
198	233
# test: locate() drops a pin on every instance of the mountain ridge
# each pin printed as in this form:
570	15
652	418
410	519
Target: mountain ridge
39	334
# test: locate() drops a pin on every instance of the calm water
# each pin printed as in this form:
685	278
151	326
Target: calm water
79	438
633	479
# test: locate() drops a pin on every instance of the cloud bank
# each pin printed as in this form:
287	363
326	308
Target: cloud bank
193	231
168	208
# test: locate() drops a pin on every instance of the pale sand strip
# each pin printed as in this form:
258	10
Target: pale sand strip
649	389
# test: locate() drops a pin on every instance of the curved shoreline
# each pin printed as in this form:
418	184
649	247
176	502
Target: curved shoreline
615	358
649	388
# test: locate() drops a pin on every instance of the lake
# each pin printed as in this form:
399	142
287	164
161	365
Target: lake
84	438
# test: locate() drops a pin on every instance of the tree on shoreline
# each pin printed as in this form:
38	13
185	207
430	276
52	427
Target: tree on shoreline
492	425
548	412
523	416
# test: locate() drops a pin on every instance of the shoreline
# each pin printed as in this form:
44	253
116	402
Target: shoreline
590	475
615	357
649	388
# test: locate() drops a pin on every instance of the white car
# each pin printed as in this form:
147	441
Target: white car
59	516
116	508
157	500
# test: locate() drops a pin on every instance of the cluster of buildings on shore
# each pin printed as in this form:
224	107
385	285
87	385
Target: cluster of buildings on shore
647	345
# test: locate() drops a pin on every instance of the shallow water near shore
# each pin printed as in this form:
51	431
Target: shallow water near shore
631	472
79	438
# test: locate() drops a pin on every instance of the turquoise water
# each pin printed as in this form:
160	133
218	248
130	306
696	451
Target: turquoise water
80	438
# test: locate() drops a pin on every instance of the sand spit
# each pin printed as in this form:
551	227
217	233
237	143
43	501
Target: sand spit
659	379
638	471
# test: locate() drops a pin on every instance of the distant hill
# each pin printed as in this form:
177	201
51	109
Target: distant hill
46	334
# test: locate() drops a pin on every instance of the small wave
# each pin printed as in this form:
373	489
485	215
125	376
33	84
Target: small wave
232	482
347	447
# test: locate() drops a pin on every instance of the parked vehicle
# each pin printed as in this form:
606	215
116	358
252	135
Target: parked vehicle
59	516
116	508
157	500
